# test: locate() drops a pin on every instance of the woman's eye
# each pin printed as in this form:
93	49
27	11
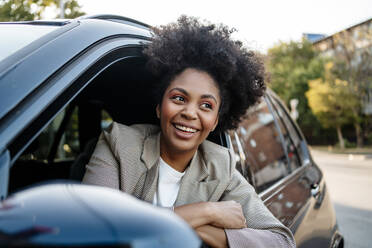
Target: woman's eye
178	98
207	105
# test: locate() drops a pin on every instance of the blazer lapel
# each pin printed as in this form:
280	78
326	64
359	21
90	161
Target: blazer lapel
193	188
150	157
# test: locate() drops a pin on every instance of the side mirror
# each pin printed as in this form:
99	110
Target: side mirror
61	215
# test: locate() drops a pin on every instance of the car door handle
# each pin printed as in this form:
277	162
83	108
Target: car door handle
317	194
315	190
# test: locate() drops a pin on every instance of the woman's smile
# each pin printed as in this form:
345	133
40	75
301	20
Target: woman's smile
184	132
185	128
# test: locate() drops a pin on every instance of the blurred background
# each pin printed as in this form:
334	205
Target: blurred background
318	54
318	57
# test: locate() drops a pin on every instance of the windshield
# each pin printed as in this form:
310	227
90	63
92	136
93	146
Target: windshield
16	36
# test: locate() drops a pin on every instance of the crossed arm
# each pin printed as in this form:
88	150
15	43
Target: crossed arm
209	219
219	223
239	219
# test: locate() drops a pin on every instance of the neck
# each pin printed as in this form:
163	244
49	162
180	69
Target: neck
178	160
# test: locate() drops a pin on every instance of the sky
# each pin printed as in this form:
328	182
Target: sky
260	23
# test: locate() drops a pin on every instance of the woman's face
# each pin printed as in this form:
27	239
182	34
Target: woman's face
189	110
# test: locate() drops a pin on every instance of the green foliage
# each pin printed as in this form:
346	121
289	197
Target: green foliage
291	65
72	9
353	63
28	10
332	100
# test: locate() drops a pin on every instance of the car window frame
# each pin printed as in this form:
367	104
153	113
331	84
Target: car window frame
19	55
4	174
246	171
286	128
275	185
277	126
83	69
266	194
303	143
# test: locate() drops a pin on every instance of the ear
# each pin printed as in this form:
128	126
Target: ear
158	111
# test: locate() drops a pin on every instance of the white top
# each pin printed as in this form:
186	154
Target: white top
168	185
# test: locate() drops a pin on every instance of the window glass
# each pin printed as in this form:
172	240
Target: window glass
263	149
291	137
68	146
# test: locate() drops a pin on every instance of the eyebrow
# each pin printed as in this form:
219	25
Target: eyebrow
187	94
209	96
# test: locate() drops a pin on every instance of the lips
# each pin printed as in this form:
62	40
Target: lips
184	132
185	128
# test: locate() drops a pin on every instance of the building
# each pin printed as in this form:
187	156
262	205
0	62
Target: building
353	46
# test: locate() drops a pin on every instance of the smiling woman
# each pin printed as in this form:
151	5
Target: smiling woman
188	113
206	82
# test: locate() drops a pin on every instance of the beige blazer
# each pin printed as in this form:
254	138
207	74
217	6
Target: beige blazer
126	158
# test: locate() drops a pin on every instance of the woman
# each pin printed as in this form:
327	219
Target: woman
206	81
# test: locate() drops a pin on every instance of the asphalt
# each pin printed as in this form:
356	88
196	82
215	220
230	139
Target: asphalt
349	180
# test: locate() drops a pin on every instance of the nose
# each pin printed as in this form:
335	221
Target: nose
189	112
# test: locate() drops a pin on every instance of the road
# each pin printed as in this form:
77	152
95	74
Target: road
349	180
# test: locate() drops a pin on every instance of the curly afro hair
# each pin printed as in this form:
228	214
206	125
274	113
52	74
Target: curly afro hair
189	43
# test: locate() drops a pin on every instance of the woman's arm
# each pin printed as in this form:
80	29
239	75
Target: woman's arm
263	229
213	236
224	214
210	218
196	214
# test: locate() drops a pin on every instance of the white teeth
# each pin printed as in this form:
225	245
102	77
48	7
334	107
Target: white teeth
186	129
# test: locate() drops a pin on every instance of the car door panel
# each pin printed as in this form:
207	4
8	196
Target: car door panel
314	222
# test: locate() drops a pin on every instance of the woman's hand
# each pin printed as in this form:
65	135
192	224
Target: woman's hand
195	214
227	214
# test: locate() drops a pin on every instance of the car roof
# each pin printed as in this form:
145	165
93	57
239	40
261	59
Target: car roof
25	70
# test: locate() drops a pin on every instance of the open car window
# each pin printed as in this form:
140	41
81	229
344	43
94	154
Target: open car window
62	146
67	145
57	150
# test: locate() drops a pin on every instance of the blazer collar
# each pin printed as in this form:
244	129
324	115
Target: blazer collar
196	171
151	150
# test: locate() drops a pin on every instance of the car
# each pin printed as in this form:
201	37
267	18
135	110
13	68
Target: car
62	82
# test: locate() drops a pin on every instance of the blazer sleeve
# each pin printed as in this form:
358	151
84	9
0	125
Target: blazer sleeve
263	229
103	168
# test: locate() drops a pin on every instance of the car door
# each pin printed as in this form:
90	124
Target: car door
314	224
274	158
27	122
297	186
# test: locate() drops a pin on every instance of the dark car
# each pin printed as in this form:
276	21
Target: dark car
62	82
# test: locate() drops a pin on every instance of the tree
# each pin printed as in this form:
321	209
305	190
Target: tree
291	65
28	10
353	56
332	102
72	9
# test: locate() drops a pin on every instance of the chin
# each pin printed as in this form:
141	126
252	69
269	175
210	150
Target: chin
183	146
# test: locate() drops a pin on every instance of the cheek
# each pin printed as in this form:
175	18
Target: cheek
209	121
168	111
